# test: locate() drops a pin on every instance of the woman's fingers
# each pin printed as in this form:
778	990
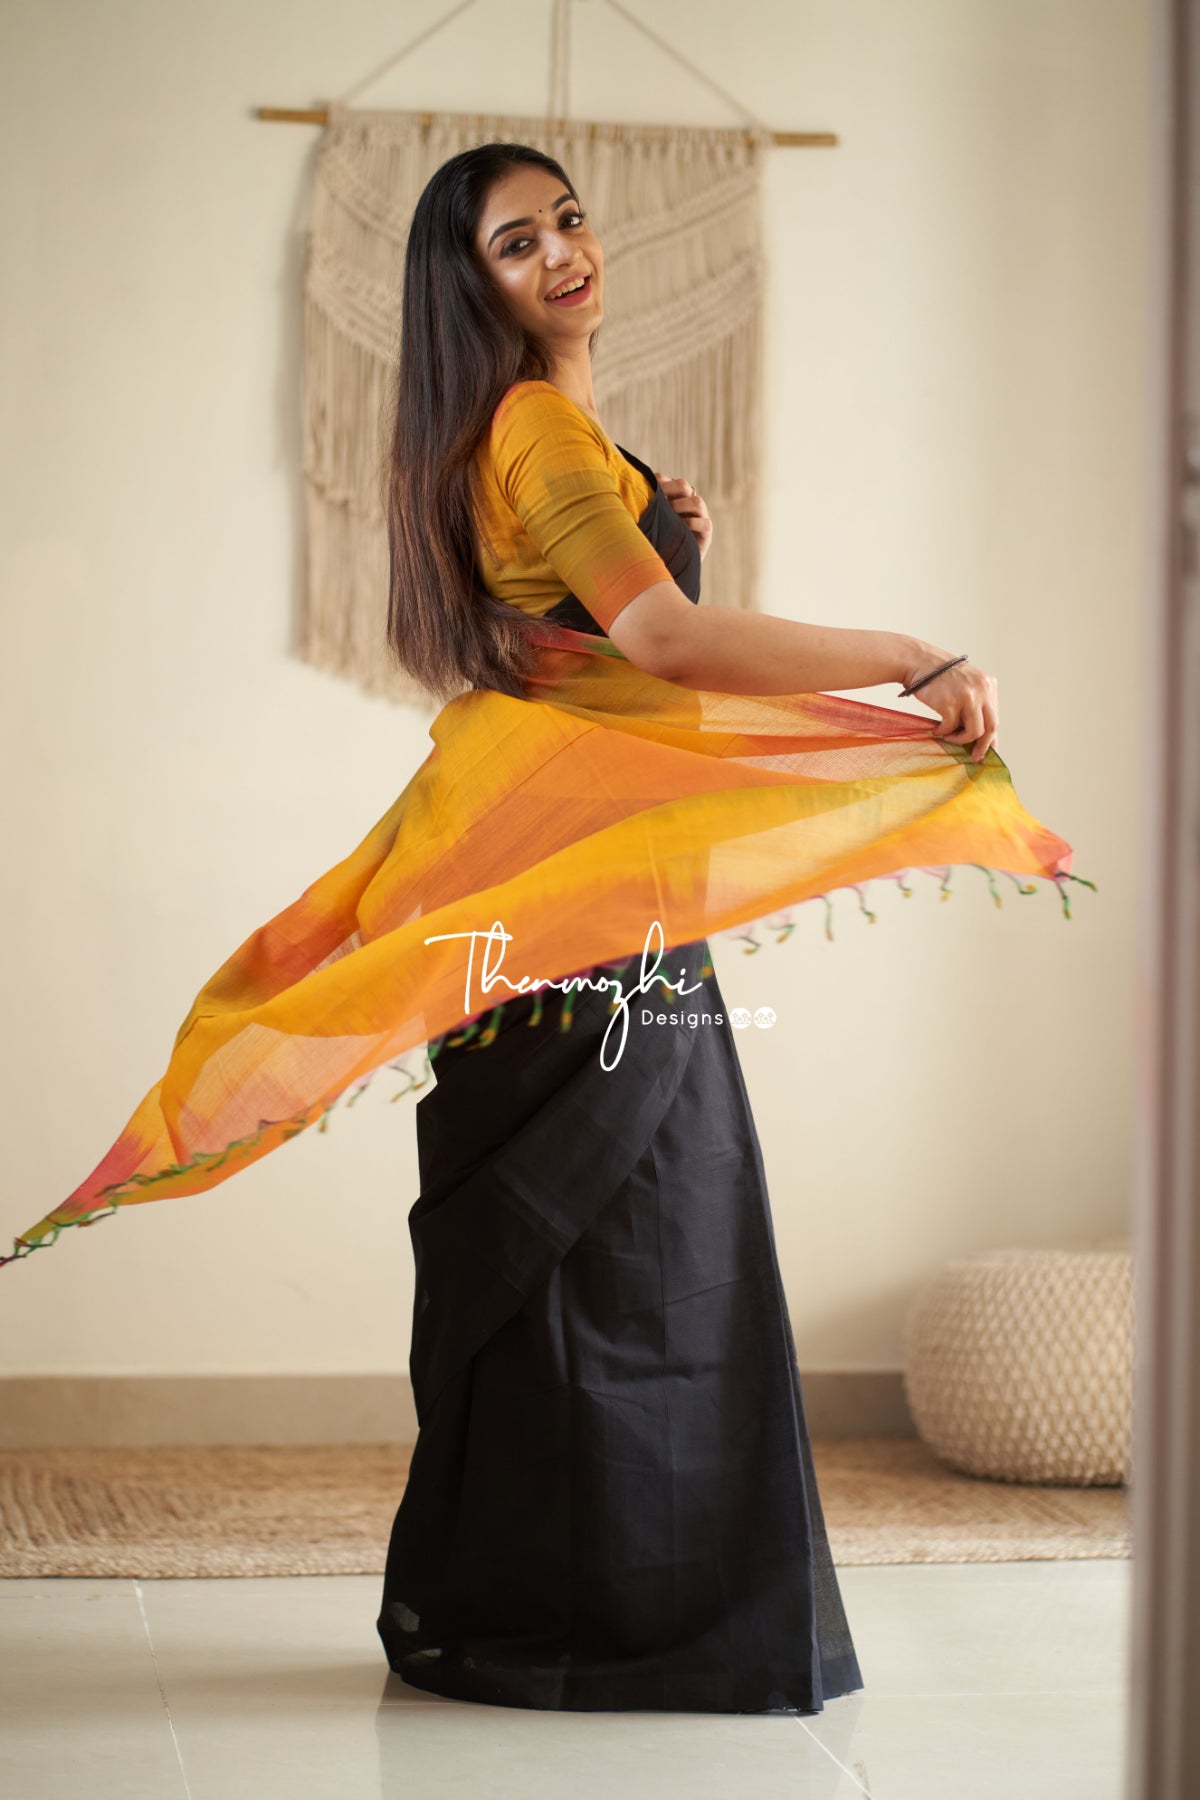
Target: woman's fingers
991	723
680	493
970	726
689	505
984	719
978	721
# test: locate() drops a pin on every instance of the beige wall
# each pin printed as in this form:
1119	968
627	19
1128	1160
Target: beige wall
956	355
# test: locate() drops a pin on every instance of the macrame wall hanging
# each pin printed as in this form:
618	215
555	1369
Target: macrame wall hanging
678	362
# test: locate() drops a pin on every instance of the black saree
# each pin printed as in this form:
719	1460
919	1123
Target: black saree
612	1503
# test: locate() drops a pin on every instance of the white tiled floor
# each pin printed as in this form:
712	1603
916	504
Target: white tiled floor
1001	1681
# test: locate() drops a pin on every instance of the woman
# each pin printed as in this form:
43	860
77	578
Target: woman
611	1502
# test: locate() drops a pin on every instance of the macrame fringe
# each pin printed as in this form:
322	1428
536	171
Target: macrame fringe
678	211
485	1034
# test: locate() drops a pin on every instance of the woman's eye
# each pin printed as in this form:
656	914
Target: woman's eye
515	243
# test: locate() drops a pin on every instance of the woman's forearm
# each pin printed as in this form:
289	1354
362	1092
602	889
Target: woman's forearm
737	652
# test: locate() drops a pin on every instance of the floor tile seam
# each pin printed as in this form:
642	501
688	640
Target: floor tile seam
1107	1691
836	1760
162	1692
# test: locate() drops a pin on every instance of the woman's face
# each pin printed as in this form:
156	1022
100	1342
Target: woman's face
533	240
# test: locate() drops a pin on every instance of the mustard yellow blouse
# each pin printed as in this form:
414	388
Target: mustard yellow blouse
561	504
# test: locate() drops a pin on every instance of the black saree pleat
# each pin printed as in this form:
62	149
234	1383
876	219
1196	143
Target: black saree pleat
611	1503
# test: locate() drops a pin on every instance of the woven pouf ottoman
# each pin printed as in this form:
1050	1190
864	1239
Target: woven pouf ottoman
1018	1364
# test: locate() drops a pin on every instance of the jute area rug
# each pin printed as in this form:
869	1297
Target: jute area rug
188	1510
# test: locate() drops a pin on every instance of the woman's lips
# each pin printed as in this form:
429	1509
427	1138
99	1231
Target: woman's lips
575	296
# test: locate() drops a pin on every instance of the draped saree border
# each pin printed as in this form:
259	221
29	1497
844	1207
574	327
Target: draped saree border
133	1191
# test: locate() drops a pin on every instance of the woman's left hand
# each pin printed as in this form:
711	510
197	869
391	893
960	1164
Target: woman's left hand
689	506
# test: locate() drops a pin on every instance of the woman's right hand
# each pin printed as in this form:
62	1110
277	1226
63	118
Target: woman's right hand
965	697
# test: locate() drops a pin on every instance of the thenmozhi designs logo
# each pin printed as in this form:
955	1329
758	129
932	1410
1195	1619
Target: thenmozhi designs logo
497	938
741	1016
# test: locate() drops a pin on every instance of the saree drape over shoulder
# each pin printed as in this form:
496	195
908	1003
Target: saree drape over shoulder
601	804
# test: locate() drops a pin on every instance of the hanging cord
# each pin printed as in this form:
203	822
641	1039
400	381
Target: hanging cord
413	43
560	59
559	104
708	81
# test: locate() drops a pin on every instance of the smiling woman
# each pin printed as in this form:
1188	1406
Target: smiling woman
587	1522
523	276
611	1503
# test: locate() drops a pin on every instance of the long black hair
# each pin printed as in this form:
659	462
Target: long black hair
460	350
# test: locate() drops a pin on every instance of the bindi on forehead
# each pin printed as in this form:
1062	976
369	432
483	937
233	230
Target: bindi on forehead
509	224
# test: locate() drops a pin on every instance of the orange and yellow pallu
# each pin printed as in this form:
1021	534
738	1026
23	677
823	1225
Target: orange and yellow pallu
574	819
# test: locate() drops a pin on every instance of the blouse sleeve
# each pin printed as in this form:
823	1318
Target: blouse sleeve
552	468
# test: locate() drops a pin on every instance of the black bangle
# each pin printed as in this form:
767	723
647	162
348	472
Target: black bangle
933	673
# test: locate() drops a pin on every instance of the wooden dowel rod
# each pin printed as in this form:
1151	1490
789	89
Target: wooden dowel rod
318	115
